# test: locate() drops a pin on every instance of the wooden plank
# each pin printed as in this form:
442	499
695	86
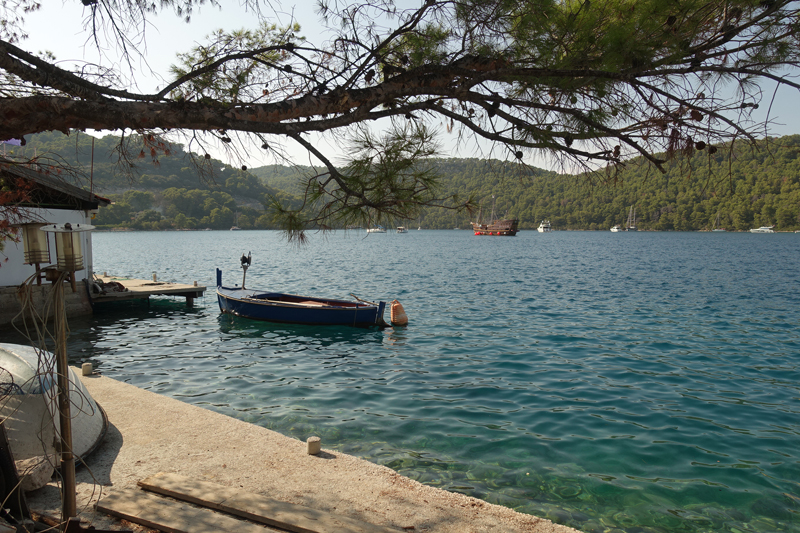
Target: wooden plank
171	516
256	507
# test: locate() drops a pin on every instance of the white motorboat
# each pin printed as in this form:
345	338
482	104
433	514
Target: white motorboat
377	229
544	226
616	228
402	229
763	229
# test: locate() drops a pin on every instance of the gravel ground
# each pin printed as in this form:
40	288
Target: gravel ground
149	433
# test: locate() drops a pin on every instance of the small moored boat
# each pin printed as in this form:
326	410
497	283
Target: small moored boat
763	229
631	226
294	309
717	227
544	226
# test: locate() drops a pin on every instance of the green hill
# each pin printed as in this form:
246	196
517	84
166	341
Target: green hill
162	188
747	187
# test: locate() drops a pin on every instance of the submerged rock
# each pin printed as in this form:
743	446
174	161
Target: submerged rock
771	508
559	517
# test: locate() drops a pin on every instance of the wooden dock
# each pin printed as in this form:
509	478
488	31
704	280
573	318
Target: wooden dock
116	289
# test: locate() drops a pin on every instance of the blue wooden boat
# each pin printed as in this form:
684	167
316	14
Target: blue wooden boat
294	309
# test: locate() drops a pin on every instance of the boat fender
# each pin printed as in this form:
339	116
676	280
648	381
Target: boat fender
398	314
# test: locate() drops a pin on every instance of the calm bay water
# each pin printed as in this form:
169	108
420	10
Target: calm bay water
641	382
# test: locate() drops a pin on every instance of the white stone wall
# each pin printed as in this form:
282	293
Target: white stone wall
14	272
76	303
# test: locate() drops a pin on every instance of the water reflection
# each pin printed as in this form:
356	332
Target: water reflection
235	327
397	337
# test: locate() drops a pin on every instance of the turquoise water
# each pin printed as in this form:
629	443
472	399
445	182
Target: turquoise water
636	382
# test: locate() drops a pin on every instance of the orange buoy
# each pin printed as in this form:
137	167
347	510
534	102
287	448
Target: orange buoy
398	314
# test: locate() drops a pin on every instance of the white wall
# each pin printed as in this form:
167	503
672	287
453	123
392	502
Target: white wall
13	272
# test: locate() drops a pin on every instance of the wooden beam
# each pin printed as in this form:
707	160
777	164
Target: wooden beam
170	516
256	507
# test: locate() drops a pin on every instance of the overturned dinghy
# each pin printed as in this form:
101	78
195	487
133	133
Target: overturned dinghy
29	409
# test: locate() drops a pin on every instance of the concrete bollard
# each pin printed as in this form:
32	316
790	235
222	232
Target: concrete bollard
154	276
195	283
86	369
314	445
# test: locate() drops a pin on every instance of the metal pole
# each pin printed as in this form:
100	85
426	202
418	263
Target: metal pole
91	171
68	487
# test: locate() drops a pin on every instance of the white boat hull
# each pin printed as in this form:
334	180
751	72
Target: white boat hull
30	411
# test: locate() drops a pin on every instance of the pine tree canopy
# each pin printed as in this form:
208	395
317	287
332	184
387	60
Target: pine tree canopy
591	82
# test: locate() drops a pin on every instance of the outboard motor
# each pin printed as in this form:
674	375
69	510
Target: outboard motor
246	259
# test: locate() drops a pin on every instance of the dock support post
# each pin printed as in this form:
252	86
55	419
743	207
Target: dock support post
189	301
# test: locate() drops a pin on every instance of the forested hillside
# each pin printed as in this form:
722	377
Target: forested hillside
746	188
163	188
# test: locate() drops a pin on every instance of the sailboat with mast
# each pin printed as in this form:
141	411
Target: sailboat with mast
631	226
716	224
504	227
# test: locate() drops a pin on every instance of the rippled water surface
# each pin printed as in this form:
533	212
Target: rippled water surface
642	382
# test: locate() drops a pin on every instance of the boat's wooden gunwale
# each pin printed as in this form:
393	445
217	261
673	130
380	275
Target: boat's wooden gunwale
303	301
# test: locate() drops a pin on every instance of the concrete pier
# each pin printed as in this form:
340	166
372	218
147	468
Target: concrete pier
151	434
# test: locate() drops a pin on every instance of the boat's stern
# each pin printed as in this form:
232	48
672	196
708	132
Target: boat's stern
379	321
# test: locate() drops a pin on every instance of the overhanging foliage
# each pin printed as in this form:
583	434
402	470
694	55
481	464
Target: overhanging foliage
589	82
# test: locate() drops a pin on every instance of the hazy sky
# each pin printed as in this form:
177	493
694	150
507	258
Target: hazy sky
60	29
